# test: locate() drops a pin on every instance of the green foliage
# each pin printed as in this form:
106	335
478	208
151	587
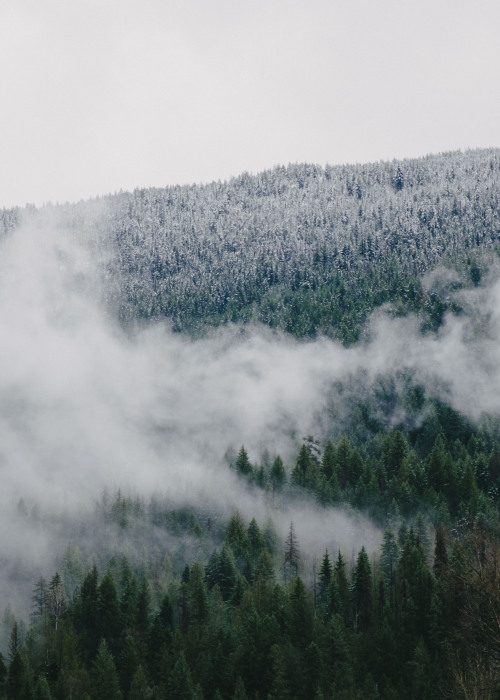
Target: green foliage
104	678
362	593
407	620
242	464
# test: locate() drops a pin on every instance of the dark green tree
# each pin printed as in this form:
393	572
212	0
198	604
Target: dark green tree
389	558
18	679
109	613
180	685
292	553
328	462
139	688
278	475
362	593
42	689
440	552
242	464
343	586
104	678
325	577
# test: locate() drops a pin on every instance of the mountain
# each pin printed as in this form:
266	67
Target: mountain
305	249
180	537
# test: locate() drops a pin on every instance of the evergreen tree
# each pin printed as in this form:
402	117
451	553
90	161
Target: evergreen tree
197	595
235	533
87	613
328	462
3	674
128	663
143	608
343	585
264	568
278	475
55	600
254	538
17	679
180	685
302	472
389	557
292	553
104	677
239	690
325	577
242	464
139	688
227	573
344	462
108	606
38	600
301	614
279	687
14	641
362	592
440	553
42	689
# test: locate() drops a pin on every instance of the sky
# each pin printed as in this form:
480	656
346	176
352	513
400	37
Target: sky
102	96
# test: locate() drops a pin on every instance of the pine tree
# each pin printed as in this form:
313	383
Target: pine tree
87	612
227	572
3	674
38	599
302	471
279	686
139	688
14	641
104	677
235	533
440	553
389	558
108	605
328	462
55	600
301	614
197	595
17	679
180	685
325	577
239	690
343	586
42	689
278	475
292	553
242	464
362	592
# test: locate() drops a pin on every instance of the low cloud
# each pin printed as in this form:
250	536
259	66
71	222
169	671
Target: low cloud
86	405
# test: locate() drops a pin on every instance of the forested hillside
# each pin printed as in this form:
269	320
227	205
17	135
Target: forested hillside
307	512
305	249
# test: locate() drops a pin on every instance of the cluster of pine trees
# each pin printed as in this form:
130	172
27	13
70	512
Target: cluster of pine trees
255	617
417	619
446	467
305	249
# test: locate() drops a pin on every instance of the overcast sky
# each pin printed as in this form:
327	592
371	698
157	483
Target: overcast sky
103	95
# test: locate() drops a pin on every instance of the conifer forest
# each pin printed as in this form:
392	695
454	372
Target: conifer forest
250	438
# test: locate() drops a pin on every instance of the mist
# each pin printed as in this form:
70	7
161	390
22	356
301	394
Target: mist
87	405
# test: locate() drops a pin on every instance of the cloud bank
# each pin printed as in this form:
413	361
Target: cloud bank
85	405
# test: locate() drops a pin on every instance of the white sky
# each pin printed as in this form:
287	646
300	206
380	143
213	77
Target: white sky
103	95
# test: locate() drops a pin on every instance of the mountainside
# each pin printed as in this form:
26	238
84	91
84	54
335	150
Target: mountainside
238	513
305	249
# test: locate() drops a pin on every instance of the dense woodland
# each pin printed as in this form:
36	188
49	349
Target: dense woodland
184	602
309	250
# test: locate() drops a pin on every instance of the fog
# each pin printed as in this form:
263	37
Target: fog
87	405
